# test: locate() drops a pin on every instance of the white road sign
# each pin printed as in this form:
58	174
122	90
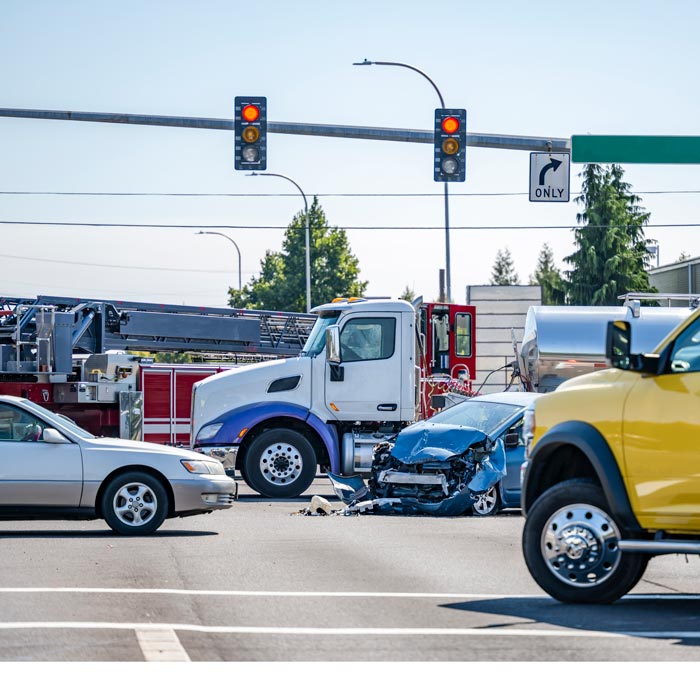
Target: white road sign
549	177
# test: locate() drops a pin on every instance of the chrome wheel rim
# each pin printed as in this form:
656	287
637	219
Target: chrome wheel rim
485	503
135	504
580	545
281	463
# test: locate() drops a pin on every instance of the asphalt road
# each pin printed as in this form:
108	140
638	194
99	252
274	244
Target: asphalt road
259	583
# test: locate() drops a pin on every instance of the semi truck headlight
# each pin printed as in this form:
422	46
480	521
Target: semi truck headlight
209	431
203	466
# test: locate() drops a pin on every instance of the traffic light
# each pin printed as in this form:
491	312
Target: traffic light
250	133
449	162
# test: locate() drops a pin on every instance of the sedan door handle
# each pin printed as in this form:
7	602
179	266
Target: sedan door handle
387	407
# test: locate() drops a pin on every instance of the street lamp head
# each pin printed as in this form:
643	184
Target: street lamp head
366	62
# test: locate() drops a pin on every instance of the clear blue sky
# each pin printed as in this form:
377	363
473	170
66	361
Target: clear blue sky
535	69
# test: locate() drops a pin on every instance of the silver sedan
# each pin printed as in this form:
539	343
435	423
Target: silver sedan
52	469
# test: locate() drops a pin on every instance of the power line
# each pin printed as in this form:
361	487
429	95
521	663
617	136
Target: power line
285	194
100	291
346	228
120	267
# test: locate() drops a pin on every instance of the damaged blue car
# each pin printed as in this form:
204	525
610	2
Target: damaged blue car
464	458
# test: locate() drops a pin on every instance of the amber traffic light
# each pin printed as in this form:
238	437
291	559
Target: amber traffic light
250	133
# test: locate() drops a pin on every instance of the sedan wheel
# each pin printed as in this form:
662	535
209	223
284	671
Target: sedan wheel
135	503
487	503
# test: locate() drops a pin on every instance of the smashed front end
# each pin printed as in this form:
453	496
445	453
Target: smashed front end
427	470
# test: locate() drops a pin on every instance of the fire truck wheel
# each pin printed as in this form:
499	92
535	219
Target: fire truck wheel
280	463
134	503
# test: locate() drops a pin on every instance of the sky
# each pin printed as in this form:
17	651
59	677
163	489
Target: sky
547	69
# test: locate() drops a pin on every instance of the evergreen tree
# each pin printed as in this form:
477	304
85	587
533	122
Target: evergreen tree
408	294
503	271
548	277
611	250
281	284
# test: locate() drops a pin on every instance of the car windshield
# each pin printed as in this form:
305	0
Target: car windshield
317	339
486	416
57	419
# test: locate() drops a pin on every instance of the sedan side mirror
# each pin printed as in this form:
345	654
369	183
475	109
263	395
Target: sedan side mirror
52	436
511	440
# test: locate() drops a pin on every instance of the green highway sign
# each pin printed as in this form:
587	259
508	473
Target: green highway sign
635	149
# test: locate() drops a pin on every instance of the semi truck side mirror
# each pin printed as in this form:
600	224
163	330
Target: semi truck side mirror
618	343
333	345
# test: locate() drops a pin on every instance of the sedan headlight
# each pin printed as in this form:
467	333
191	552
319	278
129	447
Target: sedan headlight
203	466
209	431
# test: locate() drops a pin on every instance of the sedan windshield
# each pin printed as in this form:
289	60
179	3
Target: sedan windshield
486	416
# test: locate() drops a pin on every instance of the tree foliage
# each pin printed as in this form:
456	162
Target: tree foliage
503	271
548	277
611	250
281	284
408	294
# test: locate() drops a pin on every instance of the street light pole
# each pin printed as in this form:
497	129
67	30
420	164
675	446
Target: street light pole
308	237
238	250
448	274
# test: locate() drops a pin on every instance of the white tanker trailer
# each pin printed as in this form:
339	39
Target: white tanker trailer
561	342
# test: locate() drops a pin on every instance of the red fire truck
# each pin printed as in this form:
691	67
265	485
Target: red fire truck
86	358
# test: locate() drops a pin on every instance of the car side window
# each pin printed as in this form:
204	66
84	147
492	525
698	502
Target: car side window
685	356
367	339
17	425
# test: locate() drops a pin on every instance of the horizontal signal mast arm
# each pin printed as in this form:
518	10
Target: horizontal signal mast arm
518	143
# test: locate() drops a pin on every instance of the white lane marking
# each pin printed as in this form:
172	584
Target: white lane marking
160	644
351	631
330	594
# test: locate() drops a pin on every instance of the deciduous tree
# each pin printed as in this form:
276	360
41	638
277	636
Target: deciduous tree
281	284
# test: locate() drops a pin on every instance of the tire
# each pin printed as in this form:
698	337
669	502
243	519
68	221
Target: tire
131	489
570	546
280	463
487	503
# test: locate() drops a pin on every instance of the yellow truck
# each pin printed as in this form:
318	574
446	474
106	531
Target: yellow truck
612	475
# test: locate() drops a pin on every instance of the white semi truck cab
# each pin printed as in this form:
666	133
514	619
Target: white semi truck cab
355	383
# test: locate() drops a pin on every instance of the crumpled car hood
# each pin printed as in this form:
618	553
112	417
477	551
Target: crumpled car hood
434	442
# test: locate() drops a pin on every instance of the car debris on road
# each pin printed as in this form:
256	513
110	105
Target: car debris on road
438	472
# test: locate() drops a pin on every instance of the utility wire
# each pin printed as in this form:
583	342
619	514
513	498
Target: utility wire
120	267
346	228
292	194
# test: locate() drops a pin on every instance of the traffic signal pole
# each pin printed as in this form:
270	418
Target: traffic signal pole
372	133
447	194
474	140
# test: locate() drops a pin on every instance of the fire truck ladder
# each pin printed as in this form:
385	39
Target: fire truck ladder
48	331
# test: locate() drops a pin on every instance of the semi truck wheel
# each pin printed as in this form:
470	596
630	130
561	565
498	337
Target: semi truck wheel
280	463
135	503
570	544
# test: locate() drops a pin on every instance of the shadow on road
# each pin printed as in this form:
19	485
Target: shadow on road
98	534
660	618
